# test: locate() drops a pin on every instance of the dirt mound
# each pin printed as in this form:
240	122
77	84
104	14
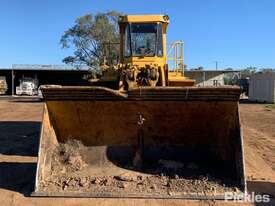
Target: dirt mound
133	185
67	156
70	172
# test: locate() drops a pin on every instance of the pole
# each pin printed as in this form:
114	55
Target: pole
12	82
203	78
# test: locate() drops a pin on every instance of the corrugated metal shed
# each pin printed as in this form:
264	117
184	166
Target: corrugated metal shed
262	87
45	74
208	77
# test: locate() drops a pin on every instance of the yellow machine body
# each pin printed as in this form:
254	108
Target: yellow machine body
157	116
134	63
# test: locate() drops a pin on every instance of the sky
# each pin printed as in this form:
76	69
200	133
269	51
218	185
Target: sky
236	33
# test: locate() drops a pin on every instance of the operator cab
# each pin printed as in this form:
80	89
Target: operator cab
143	40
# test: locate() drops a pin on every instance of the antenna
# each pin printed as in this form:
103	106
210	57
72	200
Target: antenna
216	64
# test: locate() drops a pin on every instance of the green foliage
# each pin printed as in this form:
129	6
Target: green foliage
247	72
89	36
251	69
266	70
228	80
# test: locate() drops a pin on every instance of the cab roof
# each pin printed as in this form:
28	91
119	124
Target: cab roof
144	18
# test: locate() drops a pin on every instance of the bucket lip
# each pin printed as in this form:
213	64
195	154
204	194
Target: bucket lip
194	196
197	88
225	93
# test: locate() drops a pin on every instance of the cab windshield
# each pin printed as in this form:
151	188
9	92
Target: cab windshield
143	39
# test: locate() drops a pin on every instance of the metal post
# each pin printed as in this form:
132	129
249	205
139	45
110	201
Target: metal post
175	57
182	57
12	82
203	78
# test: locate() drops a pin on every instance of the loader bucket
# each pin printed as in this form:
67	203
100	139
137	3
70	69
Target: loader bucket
162	142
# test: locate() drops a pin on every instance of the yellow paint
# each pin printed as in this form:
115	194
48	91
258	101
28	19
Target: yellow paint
144	18
177	79
159	62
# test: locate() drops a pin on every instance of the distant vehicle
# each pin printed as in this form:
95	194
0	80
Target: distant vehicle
27	86
3	85
39	93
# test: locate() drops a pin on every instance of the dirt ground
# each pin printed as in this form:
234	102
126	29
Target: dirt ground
19	132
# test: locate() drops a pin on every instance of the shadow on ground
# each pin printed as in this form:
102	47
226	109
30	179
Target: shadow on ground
19	177
19	138
247	101
23	99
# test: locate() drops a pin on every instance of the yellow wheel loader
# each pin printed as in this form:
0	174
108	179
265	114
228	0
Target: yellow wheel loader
155	135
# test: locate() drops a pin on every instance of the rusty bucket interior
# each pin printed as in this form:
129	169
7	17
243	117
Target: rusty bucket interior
197	129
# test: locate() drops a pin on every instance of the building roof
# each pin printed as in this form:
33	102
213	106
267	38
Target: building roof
48	67
214	71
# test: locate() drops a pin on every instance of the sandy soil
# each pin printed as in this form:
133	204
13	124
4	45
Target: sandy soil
19	132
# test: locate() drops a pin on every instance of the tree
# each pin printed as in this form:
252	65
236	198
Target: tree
248	71
89	37
266	70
